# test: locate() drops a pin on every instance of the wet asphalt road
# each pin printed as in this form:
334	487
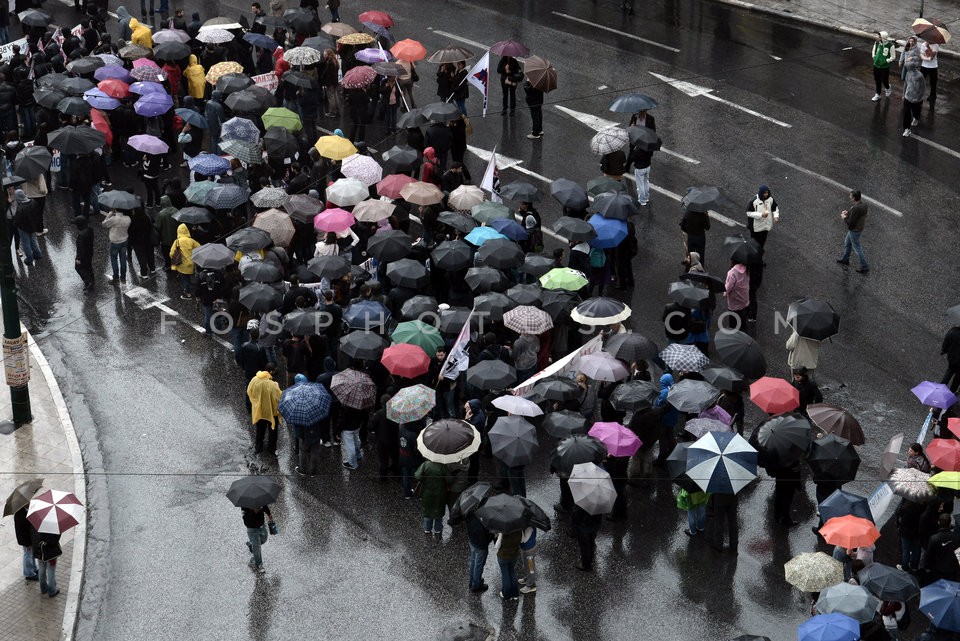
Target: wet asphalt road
164	430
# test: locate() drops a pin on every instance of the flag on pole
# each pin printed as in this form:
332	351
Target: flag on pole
458	360
491	178
479	77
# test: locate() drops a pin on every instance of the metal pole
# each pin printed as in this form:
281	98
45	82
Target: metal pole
921	8
19	395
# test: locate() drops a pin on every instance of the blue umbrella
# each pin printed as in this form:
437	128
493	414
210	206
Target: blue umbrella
842	503
610	232
260	40
239	129
510	228
98	99
722	462
192	117
829	627
209	164
153	104
366	315
480	235
305	404
112	72
145	87
226	196
940	601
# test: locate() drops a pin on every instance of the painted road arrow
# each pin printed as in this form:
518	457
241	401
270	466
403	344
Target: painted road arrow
693	91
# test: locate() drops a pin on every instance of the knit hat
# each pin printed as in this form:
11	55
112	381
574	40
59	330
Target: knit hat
762	189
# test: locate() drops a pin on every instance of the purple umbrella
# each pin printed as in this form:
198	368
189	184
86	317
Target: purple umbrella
148	144
372	55
153	104
934	394
112	72
143	88
100	100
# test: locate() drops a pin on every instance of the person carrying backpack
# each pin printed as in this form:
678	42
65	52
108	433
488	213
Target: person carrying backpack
599	270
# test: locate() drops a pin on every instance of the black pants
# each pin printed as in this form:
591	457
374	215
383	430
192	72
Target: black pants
587	543
783	491
726	516
308	456
153	191
668	441
620	504
911	111
145	258
881	78
509	96
536	113
566	496
930	75
263	427
85	271
760	237
952	378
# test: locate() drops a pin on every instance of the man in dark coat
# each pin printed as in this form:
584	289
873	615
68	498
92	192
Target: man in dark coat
940	560
84	261
951	347
535	101
24	532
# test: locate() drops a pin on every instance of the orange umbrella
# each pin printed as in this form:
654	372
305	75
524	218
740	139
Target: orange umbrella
944	453
849	531
101	124
408	50
774	395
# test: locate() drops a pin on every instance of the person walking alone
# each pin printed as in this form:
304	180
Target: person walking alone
118	224
535	102
856	218
84	259
912	96
257	533
763	212
884	53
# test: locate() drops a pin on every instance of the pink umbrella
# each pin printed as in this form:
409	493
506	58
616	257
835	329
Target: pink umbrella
619	440
717	413
54	512
336	220
144	62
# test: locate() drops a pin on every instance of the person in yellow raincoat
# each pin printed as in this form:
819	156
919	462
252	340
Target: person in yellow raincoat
196	78
181	258
141	34
263	393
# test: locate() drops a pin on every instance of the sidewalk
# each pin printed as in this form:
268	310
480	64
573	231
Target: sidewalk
45	448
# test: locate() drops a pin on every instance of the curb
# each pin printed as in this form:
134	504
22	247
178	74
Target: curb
72	605
823	24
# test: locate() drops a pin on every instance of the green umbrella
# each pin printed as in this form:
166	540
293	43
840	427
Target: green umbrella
488	211
563	278
197	191
281	117
418	333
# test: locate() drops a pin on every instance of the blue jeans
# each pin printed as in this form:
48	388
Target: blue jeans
351	447
697	518
461	105
508	575
390	111
643	184
478	559
29	563
118	254
432	523
257	536
910	553
4	35
29	116
47	573
30	247
852	240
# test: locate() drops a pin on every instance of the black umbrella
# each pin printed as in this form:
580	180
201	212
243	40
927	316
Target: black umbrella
279	143
739	351
617	205
813	319
525	295
832	458
559	303
249	239
723	377
632	103
440	112
452	320
569	194
634	395
260	272
448	440
687	295
494	374
520	190
305	322
457	220
273	22
714	283
564	423
745	251
412	119
260	298
21	495
600	310
253	491
193	215
364	346
631	347
213	256
700	199
602	184
390	245
537	265
644	138
172	51
513	440
299	79
842	503
500	253
234	82
73	140
676	463
85	65
35	18
574	230
48	97
32	161
75	86
399	158
73	106
887	583
784	439
576	449
245	101
407	272
504	513
493	305
692	396
414	308
538	518
485	279
329	267
469	500
303	22
119	200
557	388
452	255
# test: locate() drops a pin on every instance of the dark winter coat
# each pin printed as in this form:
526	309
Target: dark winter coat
434	477
23	528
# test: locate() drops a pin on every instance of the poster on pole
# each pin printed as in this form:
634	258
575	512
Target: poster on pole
16	360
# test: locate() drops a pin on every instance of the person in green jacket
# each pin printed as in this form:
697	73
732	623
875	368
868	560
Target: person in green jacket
434	480
695	503
884	52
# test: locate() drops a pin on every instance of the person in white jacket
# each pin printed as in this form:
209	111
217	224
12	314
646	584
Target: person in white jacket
802	352
763	212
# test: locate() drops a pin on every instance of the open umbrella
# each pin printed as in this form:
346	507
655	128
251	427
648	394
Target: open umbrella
207	164
676	463
610	232
399	158
592	488
407	272
305	404
363	345
354	389
601	366
813	571
391	185
940	602
170	35
520	190
504	513
630	347
741	352
944	453
421	193
32	161
21	495
600	311
774	395
373	211
276	223
253	491
214	36
517	405
479	235
746	251
540	73
855	601
560	278
492	374
813	319
609	140
261	272
411	404
887	583
193	216
513	440
334	220
933	31
450	53
576	449
362	168
493	305
511	229
946	480
688	295
500	253
836	420
54	511
829	627
931	394
269	197
73	140
843	503
833	458
683	358
119	200
366	314
634	395
564	423
329	267
281	117
632	103
531	295
488	211
725	378
305	322
196	192
557	388
691	396
569	194
409	50
700	199
574	230
228	196
239	129
172	51
148	144
700	426
417	306
260	298
525	319
911	484
95	98
453	319
248	239
722	462
452	255
246	101
512	48
448	440
417	332
849	531
615	205
358	77
785	438
618	440
469	500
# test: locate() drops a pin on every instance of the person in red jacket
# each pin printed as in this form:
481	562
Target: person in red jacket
173	73
430	171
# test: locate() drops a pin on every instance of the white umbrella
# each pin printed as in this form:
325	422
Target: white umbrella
373	211
609	140
302	56
700	426
347	192
214	35
592	488
465	197
517	405
603	366
363	168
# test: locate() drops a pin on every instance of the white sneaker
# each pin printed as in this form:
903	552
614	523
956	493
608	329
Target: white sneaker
876	97
906	133
888	91
914	122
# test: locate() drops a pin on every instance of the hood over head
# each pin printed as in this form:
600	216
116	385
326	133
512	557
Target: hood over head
183	231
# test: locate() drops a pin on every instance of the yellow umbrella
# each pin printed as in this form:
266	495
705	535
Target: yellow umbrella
356	39
221	69
335	147
948	480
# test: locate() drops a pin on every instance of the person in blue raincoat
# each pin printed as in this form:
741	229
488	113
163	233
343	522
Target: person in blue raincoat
668	421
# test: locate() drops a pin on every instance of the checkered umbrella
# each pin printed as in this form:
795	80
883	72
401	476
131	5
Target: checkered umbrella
609	140
684	358
54	512
527	320
269	197
226	196
305	404
347	192
147	74
248	152
239	129
363	168
209	164
354	389
276	223
411	404
197	192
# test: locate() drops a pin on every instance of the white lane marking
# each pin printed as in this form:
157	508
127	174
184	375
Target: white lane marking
834	183
619	33
468	41
602	87
597	123
777	58
693	91
503	162
145	299
936	145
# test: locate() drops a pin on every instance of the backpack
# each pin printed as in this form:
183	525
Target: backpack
598	257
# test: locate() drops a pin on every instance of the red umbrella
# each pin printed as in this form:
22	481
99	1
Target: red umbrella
377	17
944	453
391	185
774	395
850	531
405	360
953	424
114	88
408	50
54	512
101	124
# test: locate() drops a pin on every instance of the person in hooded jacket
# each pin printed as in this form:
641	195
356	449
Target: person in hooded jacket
213	111
83	263
913	90
141	34
430	170
195	75
182	250
668	420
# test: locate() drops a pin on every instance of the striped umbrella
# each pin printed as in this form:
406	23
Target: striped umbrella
54	512
722	462
354	389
